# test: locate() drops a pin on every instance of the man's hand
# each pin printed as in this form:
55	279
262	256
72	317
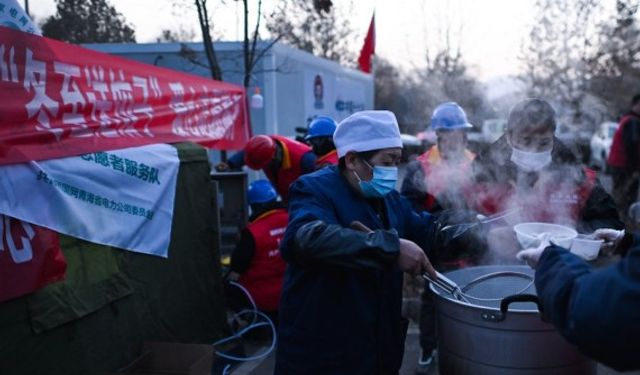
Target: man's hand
611	237
222	167
413	260
532	255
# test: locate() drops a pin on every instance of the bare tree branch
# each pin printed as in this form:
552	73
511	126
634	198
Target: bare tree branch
203	17
266	49
322	33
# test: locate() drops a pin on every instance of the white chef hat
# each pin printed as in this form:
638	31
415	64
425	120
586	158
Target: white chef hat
367	131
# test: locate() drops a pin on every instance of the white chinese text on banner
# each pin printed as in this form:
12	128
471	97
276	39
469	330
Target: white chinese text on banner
58	100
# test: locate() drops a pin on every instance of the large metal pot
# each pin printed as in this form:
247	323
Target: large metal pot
495	335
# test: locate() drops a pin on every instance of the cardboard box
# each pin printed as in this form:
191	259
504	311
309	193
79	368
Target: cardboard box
171	358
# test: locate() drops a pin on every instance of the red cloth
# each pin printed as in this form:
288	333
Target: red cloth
264	277
330	158
617	153
551	201
369	48
291	167
30	258
441	176
58	100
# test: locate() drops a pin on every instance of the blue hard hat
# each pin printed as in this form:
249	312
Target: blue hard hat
321	126
449	116
261	191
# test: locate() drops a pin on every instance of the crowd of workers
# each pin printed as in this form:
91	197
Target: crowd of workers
327	260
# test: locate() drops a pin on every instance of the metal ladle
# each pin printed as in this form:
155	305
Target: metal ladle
447	285
460	229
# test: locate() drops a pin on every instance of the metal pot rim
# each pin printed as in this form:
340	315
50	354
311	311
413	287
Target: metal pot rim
440	295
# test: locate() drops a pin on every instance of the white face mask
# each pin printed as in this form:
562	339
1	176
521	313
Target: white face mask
530	161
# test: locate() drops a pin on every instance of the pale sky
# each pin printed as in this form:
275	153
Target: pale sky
489	32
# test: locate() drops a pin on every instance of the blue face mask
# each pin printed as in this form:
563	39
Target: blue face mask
383	181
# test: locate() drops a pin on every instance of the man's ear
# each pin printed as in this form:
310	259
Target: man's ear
350	160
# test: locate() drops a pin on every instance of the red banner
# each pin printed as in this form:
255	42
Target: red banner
30	258
59	100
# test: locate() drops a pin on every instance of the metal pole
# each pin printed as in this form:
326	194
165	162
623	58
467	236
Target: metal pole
26	7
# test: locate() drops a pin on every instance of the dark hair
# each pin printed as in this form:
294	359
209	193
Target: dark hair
635	99
365	155
258	209
531	114
322	145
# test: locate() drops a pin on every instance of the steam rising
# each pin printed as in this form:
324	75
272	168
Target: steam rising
552	195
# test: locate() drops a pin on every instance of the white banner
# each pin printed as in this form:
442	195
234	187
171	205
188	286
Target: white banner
122	198
12	15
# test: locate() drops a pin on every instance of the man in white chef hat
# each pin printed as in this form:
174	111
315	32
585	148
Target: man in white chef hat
349	239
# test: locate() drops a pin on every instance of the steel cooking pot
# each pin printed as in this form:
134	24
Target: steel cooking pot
496	328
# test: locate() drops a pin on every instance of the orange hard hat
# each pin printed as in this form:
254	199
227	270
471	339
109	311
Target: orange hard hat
259	151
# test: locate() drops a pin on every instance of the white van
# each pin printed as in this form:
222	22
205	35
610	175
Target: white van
600	144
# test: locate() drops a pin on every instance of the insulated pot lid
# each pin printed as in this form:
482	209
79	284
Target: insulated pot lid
486	286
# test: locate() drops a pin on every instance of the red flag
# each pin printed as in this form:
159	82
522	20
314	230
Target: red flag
369	47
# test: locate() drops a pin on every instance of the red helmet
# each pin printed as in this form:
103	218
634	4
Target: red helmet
259	151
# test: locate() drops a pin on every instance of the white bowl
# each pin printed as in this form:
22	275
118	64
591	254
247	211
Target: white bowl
586	248
530	234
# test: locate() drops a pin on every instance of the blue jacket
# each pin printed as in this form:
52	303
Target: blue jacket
342	293
597	310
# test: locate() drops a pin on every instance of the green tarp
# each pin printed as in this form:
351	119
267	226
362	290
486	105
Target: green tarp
112	300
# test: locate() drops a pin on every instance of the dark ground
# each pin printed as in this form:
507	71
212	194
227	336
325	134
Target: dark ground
412	350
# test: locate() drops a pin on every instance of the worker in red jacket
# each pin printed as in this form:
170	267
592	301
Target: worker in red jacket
528	168
624	158
281	159
320	138
256	261
435	180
